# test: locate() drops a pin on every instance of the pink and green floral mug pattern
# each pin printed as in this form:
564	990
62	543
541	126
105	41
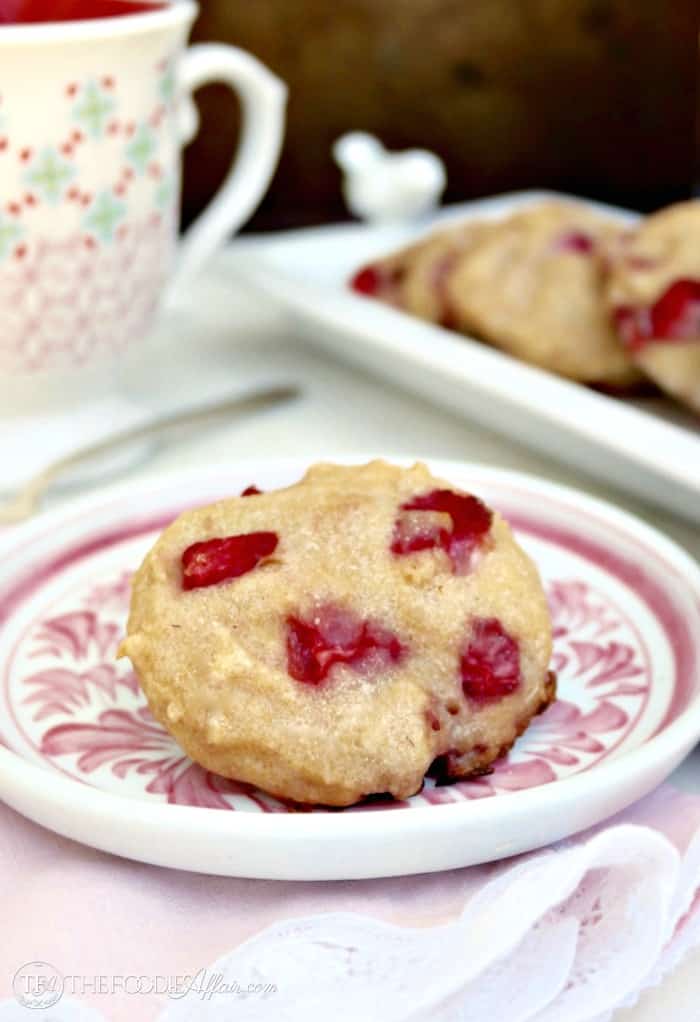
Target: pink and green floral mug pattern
90	178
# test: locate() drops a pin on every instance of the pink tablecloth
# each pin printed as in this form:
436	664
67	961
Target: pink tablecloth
461	941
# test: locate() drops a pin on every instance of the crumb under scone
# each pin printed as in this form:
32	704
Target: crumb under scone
654	298
333	639
534	288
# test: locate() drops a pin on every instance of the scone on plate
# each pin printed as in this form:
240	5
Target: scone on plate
653	295
333	639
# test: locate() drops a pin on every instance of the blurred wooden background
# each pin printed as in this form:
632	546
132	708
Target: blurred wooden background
597	97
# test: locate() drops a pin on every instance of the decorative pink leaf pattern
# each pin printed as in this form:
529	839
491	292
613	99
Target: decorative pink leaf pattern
509	776
123	741
564	731
112	595
572	606
114	733
74	635
609	661
188	784
62	691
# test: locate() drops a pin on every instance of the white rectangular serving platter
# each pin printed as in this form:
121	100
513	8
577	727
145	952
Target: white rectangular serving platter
649	447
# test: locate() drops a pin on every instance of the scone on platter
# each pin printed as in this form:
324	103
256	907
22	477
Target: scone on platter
534	288
530	284
653	296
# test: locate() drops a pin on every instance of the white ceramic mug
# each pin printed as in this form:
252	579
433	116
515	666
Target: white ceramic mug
93	116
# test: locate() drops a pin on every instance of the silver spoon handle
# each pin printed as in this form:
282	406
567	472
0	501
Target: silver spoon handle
25	500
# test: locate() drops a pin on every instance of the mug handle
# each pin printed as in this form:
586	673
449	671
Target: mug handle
263	98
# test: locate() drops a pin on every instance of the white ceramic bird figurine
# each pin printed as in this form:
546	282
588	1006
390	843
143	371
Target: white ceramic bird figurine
379	185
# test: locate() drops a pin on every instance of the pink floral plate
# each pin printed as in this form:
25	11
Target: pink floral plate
81	754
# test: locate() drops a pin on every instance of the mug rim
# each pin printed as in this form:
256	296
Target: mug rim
174	12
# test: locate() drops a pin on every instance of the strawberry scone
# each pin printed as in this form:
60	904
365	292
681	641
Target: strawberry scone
654	299
334	639
534	288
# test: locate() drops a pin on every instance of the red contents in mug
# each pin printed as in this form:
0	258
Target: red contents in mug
20	12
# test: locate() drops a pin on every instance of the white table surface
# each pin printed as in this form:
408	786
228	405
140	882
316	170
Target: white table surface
220	339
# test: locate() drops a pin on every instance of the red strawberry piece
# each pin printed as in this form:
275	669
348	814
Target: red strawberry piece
471	521
366	281
336	636
378	282
490	665
251	491
674	316
575	241
219	560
